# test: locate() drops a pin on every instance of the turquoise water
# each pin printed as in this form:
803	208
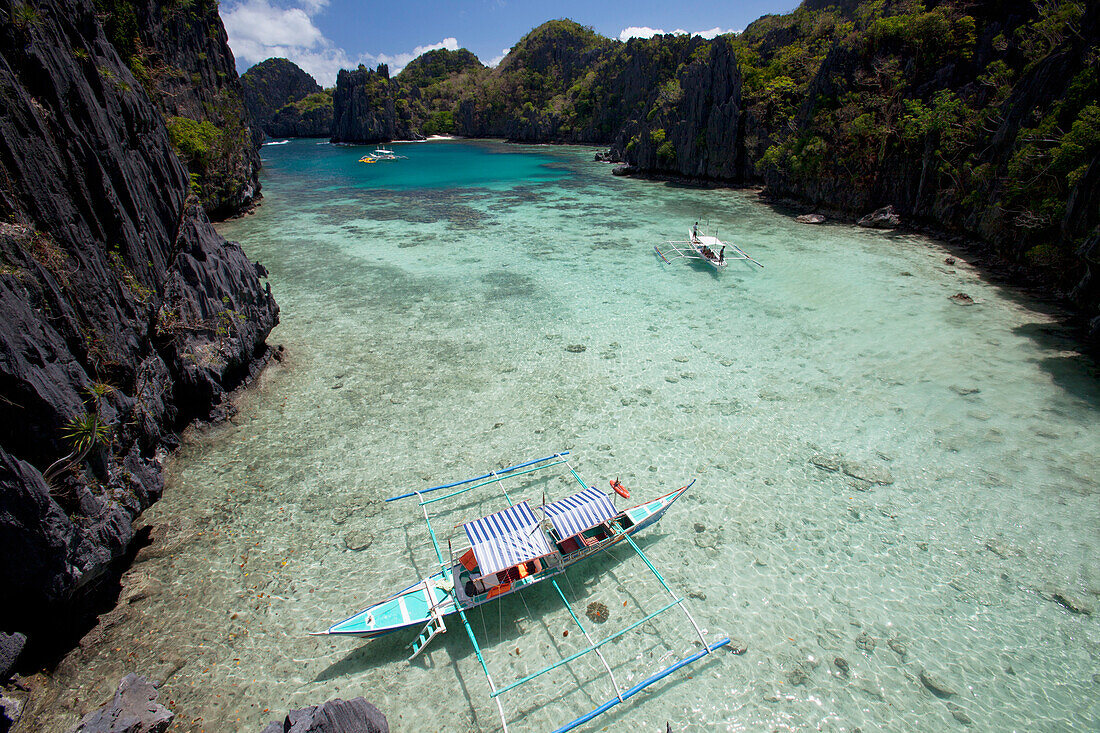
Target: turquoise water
883	476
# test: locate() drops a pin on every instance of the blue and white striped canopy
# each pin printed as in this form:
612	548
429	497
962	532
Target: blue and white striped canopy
506	538
583	510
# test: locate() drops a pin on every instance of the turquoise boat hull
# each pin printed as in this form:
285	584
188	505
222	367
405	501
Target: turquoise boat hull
413	606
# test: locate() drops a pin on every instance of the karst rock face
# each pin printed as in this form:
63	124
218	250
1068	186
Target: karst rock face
179	55
123	313
285	101
369	107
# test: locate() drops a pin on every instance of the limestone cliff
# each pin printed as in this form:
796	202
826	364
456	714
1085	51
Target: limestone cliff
284	101
369	107
123	314
178	53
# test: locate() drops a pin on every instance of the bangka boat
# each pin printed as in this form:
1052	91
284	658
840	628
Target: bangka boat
381	153
511	550
705	247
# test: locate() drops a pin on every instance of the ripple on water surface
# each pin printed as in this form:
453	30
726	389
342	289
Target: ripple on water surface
896	506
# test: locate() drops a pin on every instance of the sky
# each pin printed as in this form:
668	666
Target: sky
324	36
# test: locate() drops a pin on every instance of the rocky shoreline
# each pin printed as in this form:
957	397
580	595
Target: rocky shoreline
124	316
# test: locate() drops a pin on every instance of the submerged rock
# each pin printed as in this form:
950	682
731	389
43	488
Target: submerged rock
597	612
1071	602
1002	549
884	218
935	683
962	299
842	665
868	472
134	709
576	348
738	646
357	540
898	646
798	675
959	714
810	219
335	716
826	463
866	642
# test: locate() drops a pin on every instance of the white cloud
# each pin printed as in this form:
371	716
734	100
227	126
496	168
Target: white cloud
495	61
636	31
399	61
642	31
714	32
259	30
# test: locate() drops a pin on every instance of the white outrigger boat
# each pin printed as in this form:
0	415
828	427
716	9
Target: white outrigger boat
704	247
381	153
513	549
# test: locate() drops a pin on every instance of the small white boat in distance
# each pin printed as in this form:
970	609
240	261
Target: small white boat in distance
384	153
705	248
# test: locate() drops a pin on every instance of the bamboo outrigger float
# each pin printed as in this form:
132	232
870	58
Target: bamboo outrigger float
703	248
511	550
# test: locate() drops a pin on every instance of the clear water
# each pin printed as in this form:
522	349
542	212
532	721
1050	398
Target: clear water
427	307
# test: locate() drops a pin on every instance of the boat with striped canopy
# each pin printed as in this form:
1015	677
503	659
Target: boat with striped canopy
510	550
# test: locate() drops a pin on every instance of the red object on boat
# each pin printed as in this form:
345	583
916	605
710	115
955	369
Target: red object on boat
620	489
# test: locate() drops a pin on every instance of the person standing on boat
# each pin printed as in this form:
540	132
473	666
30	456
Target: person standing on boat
695	232
722	254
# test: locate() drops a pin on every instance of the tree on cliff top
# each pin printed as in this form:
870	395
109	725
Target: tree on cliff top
437	65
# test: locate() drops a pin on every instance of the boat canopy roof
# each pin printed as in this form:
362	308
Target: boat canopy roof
583	510
507	538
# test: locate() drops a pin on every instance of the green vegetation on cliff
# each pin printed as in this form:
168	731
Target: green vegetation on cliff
177	51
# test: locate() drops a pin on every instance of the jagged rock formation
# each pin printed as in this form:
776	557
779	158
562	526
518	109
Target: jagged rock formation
133	709
695	128
178	53
285	101
123	314
334	716
369	107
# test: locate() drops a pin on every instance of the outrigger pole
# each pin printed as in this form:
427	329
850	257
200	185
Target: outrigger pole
491	474
593	646
461	612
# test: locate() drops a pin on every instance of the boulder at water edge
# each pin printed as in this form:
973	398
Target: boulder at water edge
884	218
334	716
134	709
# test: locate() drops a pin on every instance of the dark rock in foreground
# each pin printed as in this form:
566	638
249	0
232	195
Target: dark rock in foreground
134	709
120	308
11	645
334	716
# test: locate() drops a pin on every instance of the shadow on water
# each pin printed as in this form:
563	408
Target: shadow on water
1074	372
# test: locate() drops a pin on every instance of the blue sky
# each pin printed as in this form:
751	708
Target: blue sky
323	36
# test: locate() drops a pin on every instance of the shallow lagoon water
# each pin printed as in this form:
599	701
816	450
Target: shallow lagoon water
883	475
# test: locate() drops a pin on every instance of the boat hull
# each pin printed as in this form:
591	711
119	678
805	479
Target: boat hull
412	608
